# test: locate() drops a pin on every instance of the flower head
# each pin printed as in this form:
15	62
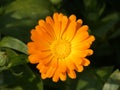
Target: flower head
59	47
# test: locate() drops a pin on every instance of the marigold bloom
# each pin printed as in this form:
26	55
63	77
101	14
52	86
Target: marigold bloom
59	47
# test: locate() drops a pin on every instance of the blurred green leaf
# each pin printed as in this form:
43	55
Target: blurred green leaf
29	8
13	43
1	10
113	82
115	34
16	88
107	24
93	9
15	59
12	59
90	79
56	2
112	16
28	80
3	58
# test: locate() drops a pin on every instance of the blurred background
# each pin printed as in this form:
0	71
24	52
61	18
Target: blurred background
18	17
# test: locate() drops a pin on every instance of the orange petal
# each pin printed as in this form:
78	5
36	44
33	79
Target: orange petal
77	60
60	71
72	17
81	34
50	72
72	74
36	47
42	68
55	17
57	30
84	44
57	25
37	36
34	59
90	39
70	31
53	67
81	53
69	64
62	66
46	60
60	24
45	54
77	63
47	33
63	76
60	16
79	68
56	76
39	66
41	39
43	76
64	24
31	47
42	46
47	28
49	20
85	62
79	23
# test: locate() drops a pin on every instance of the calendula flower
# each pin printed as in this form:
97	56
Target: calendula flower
59	47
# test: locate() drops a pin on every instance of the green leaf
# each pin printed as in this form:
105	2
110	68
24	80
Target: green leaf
15	59
113	82
11	59
90	79
56	1
13	43
3	58
27	80
107	24
29	8
93	9
113	16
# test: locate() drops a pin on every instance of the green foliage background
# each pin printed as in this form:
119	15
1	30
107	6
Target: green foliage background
18	17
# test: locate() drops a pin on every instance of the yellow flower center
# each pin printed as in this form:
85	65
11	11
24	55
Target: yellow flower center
61	48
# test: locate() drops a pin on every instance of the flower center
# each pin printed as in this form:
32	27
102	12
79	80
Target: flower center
61	48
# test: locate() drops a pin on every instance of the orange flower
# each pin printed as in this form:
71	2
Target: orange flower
59	47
